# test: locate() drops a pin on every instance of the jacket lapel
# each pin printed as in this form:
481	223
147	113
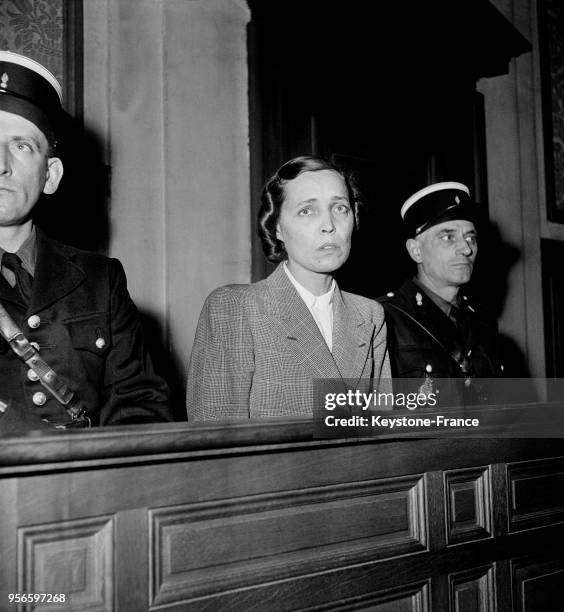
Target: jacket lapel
296	323
55	274
351	337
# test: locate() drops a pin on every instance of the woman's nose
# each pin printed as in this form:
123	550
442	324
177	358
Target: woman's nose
327	223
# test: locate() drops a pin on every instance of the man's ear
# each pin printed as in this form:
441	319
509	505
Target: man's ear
54	175
414	249
279	232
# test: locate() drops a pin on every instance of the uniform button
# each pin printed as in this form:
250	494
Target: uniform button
34	321
100	343
3	406
35	346
31	374
39	398
390	294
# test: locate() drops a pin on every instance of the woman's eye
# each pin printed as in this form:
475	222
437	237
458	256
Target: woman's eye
304	212
343	208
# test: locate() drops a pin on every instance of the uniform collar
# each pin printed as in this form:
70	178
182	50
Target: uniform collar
440	302
27	252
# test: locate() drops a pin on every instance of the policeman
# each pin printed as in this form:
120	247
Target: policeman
71	343
434	329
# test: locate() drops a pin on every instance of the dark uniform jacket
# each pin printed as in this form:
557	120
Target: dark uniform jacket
88	331
424	343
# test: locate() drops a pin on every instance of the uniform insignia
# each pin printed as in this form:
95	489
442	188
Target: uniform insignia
419	299
427	387
4	81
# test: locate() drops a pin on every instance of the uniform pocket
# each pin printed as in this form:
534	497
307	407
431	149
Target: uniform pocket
90	333
414	362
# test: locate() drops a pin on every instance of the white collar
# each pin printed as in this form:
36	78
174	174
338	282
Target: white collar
321	301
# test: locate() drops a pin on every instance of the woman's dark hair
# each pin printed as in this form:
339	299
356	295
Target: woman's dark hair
274	194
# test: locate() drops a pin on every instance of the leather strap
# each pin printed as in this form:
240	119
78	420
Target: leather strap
428	332
25	351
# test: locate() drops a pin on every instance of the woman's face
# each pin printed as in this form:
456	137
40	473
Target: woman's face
315	224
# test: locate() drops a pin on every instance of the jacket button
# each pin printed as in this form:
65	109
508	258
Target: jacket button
34	321
39	398
100	343
32	375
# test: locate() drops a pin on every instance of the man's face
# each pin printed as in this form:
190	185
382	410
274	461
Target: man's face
445	254
315	224
25	169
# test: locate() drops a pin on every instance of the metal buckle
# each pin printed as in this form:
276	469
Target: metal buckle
82	422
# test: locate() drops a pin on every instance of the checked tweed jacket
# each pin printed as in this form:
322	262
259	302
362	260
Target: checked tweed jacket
257	350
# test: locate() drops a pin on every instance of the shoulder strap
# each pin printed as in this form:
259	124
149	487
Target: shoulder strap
427	331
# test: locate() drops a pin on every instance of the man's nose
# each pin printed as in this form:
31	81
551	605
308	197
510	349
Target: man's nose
5	164
464	247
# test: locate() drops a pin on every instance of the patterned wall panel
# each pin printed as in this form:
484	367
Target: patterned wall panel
34	28
553	19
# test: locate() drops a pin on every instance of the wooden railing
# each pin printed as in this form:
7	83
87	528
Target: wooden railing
263	516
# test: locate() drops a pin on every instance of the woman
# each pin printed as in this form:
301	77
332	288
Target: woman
258	347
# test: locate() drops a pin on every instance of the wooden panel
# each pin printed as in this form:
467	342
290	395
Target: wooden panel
359	587
405	599
537	584
473	590
468	505
536	493
75	558
260	518
203	548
